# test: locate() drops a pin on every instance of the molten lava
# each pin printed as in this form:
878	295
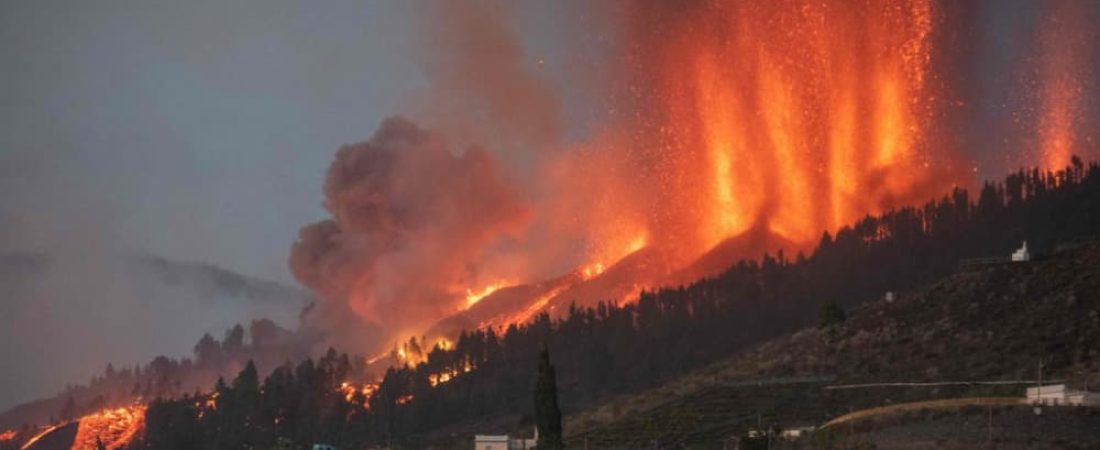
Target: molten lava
798	116
474	296
113	427
732	128
1066	42
37	437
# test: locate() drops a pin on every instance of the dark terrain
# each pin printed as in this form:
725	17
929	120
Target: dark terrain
987	323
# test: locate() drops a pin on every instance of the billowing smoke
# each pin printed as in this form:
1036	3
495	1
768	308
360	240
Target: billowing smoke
481	86
724	129
411	221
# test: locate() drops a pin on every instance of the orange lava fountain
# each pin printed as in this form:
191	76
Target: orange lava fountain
743	127
796	116
1065	40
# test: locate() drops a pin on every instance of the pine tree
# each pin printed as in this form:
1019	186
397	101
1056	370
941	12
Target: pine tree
547	413
830	314
68	412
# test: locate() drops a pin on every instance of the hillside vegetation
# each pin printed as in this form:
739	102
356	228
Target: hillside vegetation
986	323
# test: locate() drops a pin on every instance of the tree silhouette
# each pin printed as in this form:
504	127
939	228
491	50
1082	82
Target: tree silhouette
547	413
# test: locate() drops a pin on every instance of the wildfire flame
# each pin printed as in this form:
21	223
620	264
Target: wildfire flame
350	391
443	377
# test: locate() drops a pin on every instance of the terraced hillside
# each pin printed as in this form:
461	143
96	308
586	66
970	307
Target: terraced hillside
984	323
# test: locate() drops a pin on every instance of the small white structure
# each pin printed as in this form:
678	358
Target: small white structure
889	297
1059	394
504	442
795	433
491	442
1021	254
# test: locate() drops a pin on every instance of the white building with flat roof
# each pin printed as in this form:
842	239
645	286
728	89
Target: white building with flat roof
504	442
1060	394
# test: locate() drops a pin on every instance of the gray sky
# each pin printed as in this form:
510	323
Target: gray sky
195	130
198	130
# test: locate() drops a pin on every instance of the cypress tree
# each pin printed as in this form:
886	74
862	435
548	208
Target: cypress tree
547	413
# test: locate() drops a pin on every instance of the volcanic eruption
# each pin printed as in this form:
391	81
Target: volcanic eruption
730	129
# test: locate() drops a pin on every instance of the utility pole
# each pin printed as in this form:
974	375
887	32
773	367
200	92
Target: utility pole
989	426
1039	386
851	423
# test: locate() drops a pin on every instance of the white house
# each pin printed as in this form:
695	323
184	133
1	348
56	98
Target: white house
794	433
491	442
504	442
1021	254
1060	394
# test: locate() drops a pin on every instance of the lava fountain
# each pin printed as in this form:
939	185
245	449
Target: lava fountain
794	116
1065	41
732	128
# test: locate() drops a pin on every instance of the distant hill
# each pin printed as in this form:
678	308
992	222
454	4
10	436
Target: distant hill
176	302
211	282
206	281
987	322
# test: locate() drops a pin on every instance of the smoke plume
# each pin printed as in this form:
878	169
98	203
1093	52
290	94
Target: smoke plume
481	88
410	223
726	129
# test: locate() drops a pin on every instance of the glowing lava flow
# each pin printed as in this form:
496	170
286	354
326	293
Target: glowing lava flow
474	296
39	436
535	306
114	427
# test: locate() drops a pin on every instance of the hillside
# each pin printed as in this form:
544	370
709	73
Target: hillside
167	304
991	322
480	382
